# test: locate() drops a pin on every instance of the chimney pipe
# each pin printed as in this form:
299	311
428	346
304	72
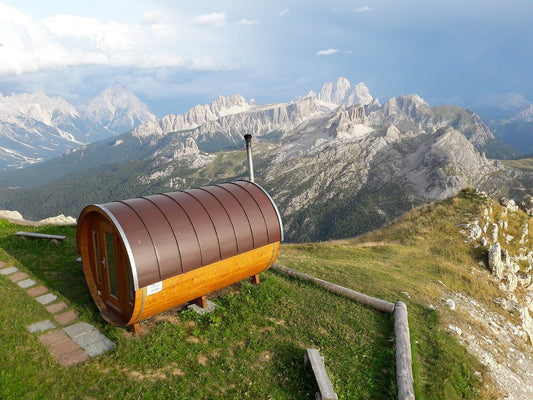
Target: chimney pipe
248	139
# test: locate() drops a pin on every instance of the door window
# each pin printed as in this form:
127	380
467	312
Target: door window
111	264
98	260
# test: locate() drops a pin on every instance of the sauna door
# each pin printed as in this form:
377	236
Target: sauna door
107	266
112	271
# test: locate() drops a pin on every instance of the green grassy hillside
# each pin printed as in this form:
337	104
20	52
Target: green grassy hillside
253	344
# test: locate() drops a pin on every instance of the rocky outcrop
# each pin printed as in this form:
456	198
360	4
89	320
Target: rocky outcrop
527	204
16	217
509	204
495	260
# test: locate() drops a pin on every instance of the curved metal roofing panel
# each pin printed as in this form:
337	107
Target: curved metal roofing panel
266	205
221	222
240	222
182	230
140	242
253	213
173	233
202	224
161	234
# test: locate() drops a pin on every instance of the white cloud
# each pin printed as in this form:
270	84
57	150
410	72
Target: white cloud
248	22
327	52
363	9
215	19
158	40
284	12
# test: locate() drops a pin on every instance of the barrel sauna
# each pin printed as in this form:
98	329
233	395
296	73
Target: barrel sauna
146	255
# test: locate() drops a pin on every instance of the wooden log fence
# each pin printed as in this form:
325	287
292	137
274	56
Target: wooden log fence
40	235
326	392
404	370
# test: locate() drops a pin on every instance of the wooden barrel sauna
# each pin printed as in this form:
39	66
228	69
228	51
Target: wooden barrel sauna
146	255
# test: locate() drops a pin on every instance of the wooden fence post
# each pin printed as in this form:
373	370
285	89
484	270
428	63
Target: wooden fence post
404	371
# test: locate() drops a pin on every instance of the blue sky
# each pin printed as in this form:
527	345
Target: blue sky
175	54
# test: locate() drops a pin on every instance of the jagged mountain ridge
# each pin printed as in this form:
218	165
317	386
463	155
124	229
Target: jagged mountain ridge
333	171
36	127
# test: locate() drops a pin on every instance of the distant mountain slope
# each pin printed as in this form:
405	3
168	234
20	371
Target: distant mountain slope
35	127
510	118
334	170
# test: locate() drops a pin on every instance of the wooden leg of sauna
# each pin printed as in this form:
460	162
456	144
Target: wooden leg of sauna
135	328
254	280
201	302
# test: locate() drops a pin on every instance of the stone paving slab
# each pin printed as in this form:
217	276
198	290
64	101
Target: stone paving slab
46	298
100	347
8	271
199	310
74	358
78	329
41	326
67	317
56	307
63	348
26	283
60	349
54	337
89	338
36	291
71	345
18	276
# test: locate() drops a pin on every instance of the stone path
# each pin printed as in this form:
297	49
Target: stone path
70	342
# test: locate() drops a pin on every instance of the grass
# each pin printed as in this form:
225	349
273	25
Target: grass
251	346
418	258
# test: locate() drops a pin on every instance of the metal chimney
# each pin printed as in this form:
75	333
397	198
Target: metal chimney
248	139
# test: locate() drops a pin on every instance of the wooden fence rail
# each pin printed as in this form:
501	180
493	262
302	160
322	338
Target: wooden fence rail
404	369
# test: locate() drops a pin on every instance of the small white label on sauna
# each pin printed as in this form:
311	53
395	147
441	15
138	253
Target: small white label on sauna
154	288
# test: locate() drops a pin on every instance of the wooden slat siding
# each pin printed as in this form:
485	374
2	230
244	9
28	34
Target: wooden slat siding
321	376
404	371
40	235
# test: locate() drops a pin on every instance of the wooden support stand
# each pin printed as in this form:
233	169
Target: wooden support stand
135	328
201	302
254	280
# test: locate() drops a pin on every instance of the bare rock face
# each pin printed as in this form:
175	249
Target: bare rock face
494	233
527	204
525	233
511	281
509	204
496	264
475	231
527	322
11	214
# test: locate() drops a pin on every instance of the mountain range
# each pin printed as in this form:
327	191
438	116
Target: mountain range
35	127
337	162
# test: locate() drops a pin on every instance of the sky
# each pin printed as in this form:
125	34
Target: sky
175	54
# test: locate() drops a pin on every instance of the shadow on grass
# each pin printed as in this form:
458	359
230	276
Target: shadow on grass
53	264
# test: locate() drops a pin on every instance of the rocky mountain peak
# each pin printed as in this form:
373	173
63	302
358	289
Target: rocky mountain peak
36	105
524	115
118	109
342	93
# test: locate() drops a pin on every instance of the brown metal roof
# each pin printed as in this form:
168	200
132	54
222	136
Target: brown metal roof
169	234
